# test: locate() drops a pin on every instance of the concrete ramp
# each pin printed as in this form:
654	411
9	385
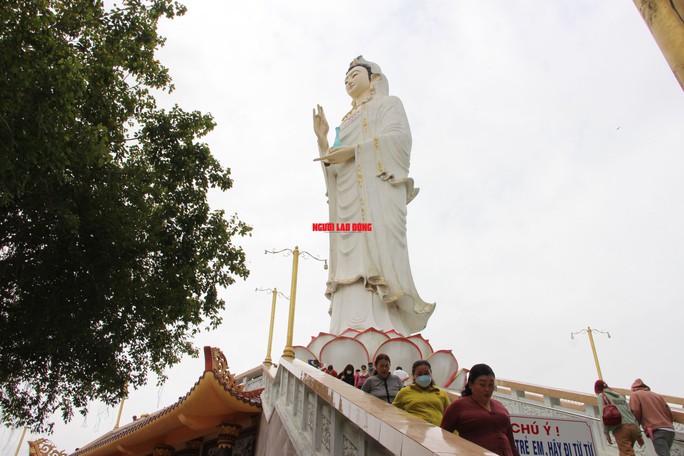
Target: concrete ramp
308	412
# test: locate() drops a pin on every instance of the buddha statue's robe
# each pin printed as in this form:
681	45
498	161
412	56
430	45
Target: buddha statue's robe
370	282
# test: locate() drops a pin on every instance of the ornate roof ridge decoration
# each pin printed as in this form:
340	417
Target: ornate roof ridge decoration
215	361
44	447
215	364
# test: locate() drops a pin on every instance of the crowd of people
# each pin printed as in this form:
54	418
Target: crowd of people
359	376
479	418
476	417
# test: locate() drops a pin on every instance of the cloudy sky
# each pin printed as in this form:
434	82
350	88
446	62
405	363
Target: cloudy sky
548	146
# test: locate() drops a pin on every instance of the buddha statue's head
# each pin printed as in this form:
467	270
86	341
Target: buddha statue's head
364	76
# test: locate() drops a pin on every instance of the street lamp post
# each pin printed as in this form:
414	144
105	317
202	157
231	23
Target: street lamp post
593	347
275	292
288	352
21	440
123	399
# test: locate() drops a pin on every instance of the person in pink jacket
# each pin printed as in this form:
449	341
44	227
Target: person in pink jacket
361	377
654	415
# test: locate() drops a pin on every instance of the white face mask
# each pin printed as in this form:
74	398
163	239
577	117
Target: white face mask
349	372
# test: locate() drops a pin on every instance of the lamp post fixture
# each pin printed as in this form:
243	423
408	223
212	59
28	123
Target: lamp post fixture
593	347
275	292
288	352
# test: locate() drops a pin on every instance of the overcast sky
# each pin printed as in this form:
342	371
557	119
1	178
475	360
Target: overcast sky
548	145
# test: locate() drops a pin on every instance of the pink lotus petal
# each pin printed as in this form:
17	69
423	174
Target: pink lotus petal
444	367
342	351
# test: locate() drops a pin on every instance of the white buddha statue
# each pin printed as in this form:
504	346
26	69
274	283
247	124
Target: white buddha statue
366	174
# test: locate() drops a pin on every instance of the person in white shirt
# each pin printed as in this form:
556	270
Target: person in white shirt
403	375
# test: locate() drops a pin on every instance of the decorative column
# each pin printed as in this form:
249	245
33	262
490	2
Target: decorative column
192	448
228	434
163	450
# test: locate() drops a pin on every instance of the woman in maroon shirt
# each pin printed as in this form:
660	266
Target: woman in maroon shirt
479	418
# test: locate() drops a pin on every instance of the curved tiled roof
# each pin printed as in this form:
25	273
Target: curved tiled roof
216	377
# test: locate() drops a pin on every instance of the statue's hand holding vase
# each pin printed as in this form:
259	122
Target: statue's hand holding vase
338	155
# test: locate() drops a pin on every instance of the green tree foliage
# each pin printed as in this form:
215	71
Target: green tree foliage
110	257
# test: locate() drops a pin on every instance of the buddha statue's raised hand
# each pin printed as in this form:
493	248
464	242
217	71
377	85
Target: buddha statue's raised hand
321	128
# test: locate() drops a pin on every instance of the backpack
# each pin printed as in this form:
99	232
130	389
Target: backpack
611	414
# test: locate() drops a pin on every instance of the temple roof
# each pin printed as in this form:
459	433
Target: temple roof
216	398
